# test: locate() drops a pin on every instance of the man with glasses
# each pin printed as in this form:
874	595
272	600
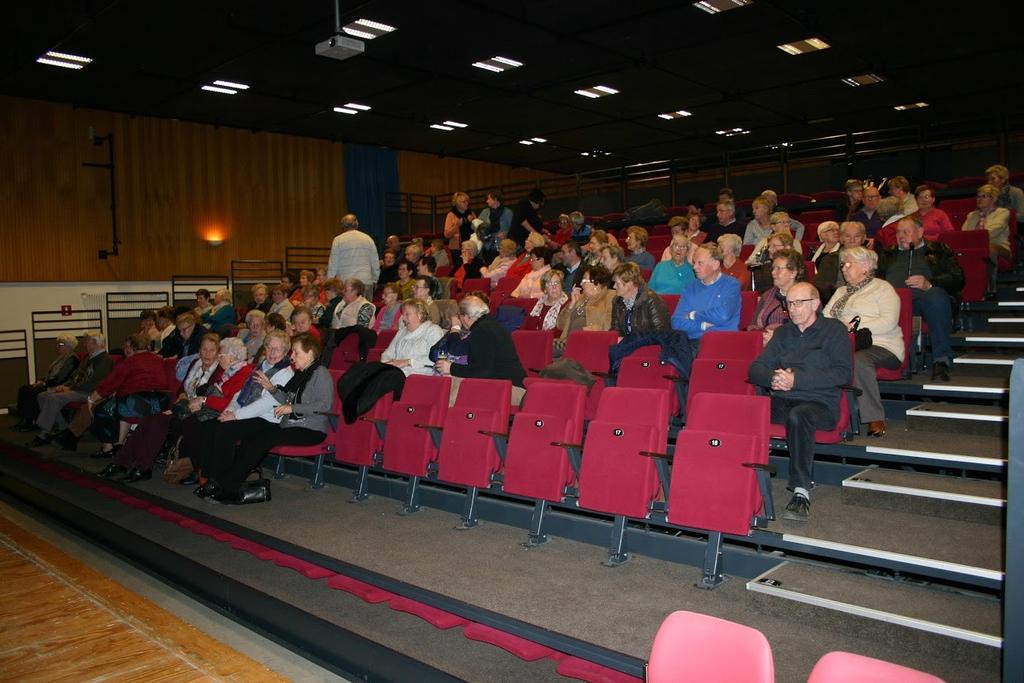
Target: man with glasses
803	366
868	214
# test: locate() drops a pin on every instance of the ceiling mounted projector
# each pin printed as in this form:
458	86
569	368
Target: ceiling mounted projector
340	47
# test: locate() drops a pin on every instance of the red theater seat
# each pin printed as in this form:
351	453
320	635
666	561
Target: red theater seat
534	348
318	452
698	647
741	344
845	667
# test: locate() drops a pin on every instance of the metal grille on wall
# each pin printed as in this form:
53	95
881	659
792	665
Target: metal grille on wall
246	273
46	325
13	364
306	258
183	287
123	311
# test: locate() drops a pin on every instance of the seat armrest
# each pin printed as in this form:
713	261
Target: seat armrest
660	456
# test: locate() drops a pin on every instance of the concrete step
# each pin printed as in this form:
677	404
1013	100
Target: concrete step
935	495
958	418
920	616
962	385
988	339
999	324
979	364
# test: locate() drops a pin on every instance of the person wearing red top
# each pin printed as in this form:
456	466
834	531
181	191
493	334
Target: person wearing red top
302	321
521	266
135	388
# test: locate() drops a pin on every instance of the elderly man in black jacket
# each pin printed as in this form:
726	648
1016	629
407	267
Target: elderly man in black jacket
933	275
492	355
804	365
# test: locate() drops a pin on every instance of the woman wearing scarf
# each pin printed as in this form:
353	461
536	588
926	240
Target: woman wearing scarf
787	269
222	313
544	315
290	407
458	224
877	305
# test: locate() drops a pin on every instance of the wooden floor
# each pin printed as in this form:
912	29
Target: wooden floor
61	620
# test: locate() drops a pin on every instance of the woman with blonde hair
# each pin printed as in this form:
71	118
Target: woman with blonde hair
458	224
409	350
501	263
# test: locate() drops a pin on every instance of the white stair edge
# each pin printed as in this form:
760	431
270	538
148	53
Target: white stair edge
878	615
950	457
1020	289
965	387
958	416
875	553
1006	320
967	360
1000	340
1011	303
923	493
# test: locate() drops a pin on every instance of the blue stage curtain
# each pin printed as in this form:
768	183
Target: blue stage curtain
370	173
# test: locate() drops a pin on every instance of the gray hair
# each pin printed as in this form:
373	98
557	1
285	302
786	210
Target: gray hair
471	245
731	243
349	221
223	294
254	314
233	346
862	255
681	239
473	307
98	338
577	218
888	207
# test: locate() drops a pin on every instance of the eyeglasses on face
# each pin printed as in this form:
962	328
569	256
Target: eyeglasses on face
797	303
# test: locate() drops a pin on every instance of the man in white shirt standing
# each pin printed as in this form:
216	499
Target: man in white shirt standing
353	254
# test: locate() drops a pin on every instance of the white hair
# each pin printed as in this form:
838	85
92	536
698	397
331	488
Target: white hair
473	307
233	346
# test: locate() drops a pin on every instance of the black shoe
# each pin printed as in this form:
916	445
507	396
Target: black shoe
940	372
25	426
41	440
112	470
138	475
191	480
67	441
798	510
100	454
207	490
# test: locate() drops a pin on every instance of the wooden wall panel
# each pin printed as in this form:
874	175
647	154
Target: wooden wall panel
429	174
177	184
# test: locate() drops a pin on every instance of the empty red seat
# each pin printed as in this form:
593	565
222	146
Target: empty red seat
346	353
613	217
671	302
544	446
967	181
720	376
972	262
410	447
697	647
829	196
657	243
468	455
739	344
616	478
713	486
677	211
360	444
817	216
590	349
748	305
482	284
957	209
965	239
650	373
534	349
906	322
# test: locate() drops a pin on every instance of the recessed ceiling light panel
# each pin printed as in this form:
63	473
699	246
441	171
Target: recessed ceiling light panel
439	126
64	60
218	89
912	105
456	124
863	79
596	91
678	114
232	85
367	29
804	46
497	64
716	6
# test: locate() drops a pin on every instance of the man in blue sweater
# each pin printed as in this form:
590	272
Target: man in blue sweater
712	301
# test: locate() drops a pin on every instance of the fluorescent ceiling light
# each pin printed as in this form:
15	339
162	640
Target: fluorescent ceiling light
863	79
367	29
438	126
64	60
803	46
731	132
526	142
541	140
716	6
345	110
223	91
456	124
596	91
360	107
678	114
912	105
229	84
497	64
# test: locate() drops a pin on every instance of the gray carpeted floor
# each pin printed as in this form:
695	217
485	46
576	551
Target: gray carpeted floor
561	586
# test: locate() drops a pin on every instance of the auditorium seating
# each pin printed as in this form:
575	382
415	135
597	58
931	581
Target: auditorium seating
741	344
361	443
544	447
615	477
410	445
719	375
590	349
534	349
648	373
846	667
318	452
747	307
906	322
720	480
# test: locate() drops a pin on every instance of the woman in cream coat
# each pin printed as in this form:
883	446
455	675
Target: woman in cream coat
877	305
410	348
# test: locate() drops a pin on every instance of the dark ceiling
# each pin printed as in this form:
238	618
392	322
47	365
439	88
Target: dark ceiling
662	55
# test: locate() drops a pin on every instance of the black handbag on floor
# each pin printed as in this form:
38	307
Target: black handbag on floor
862	338
254	492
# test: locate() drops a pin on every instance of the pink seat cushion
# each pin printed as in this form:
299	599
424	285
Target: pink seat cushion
697	647
845	667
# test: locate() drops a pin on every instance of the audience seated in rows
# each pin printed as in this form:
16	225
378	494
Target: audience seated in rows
544	314
260	298
590	305
732	265
760	263
828	235
674	275
184	340
409	349
726	223
530	286
993	218
470	265
636	248
390	311
254	334
867	215
829	276
770	312
60	371
711	301
571	265
281	304
494	223
500	264
354	308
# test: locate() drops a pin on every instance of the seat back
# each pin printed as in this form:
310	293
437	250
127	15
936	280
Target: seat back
720	376
170	376
614	478
482	284
906	322
711	489
957	209
408	449
697	647
552	411
842	426
794	198
817	216
468	457
972	262
534	349
671	302
965	239
590	349
748	305
647	373
845	667
358	443
829	196
657	243
346	354
741	344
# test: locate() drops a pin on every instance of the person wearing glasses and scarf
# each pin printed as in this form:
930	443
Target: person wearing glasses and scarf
877	306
